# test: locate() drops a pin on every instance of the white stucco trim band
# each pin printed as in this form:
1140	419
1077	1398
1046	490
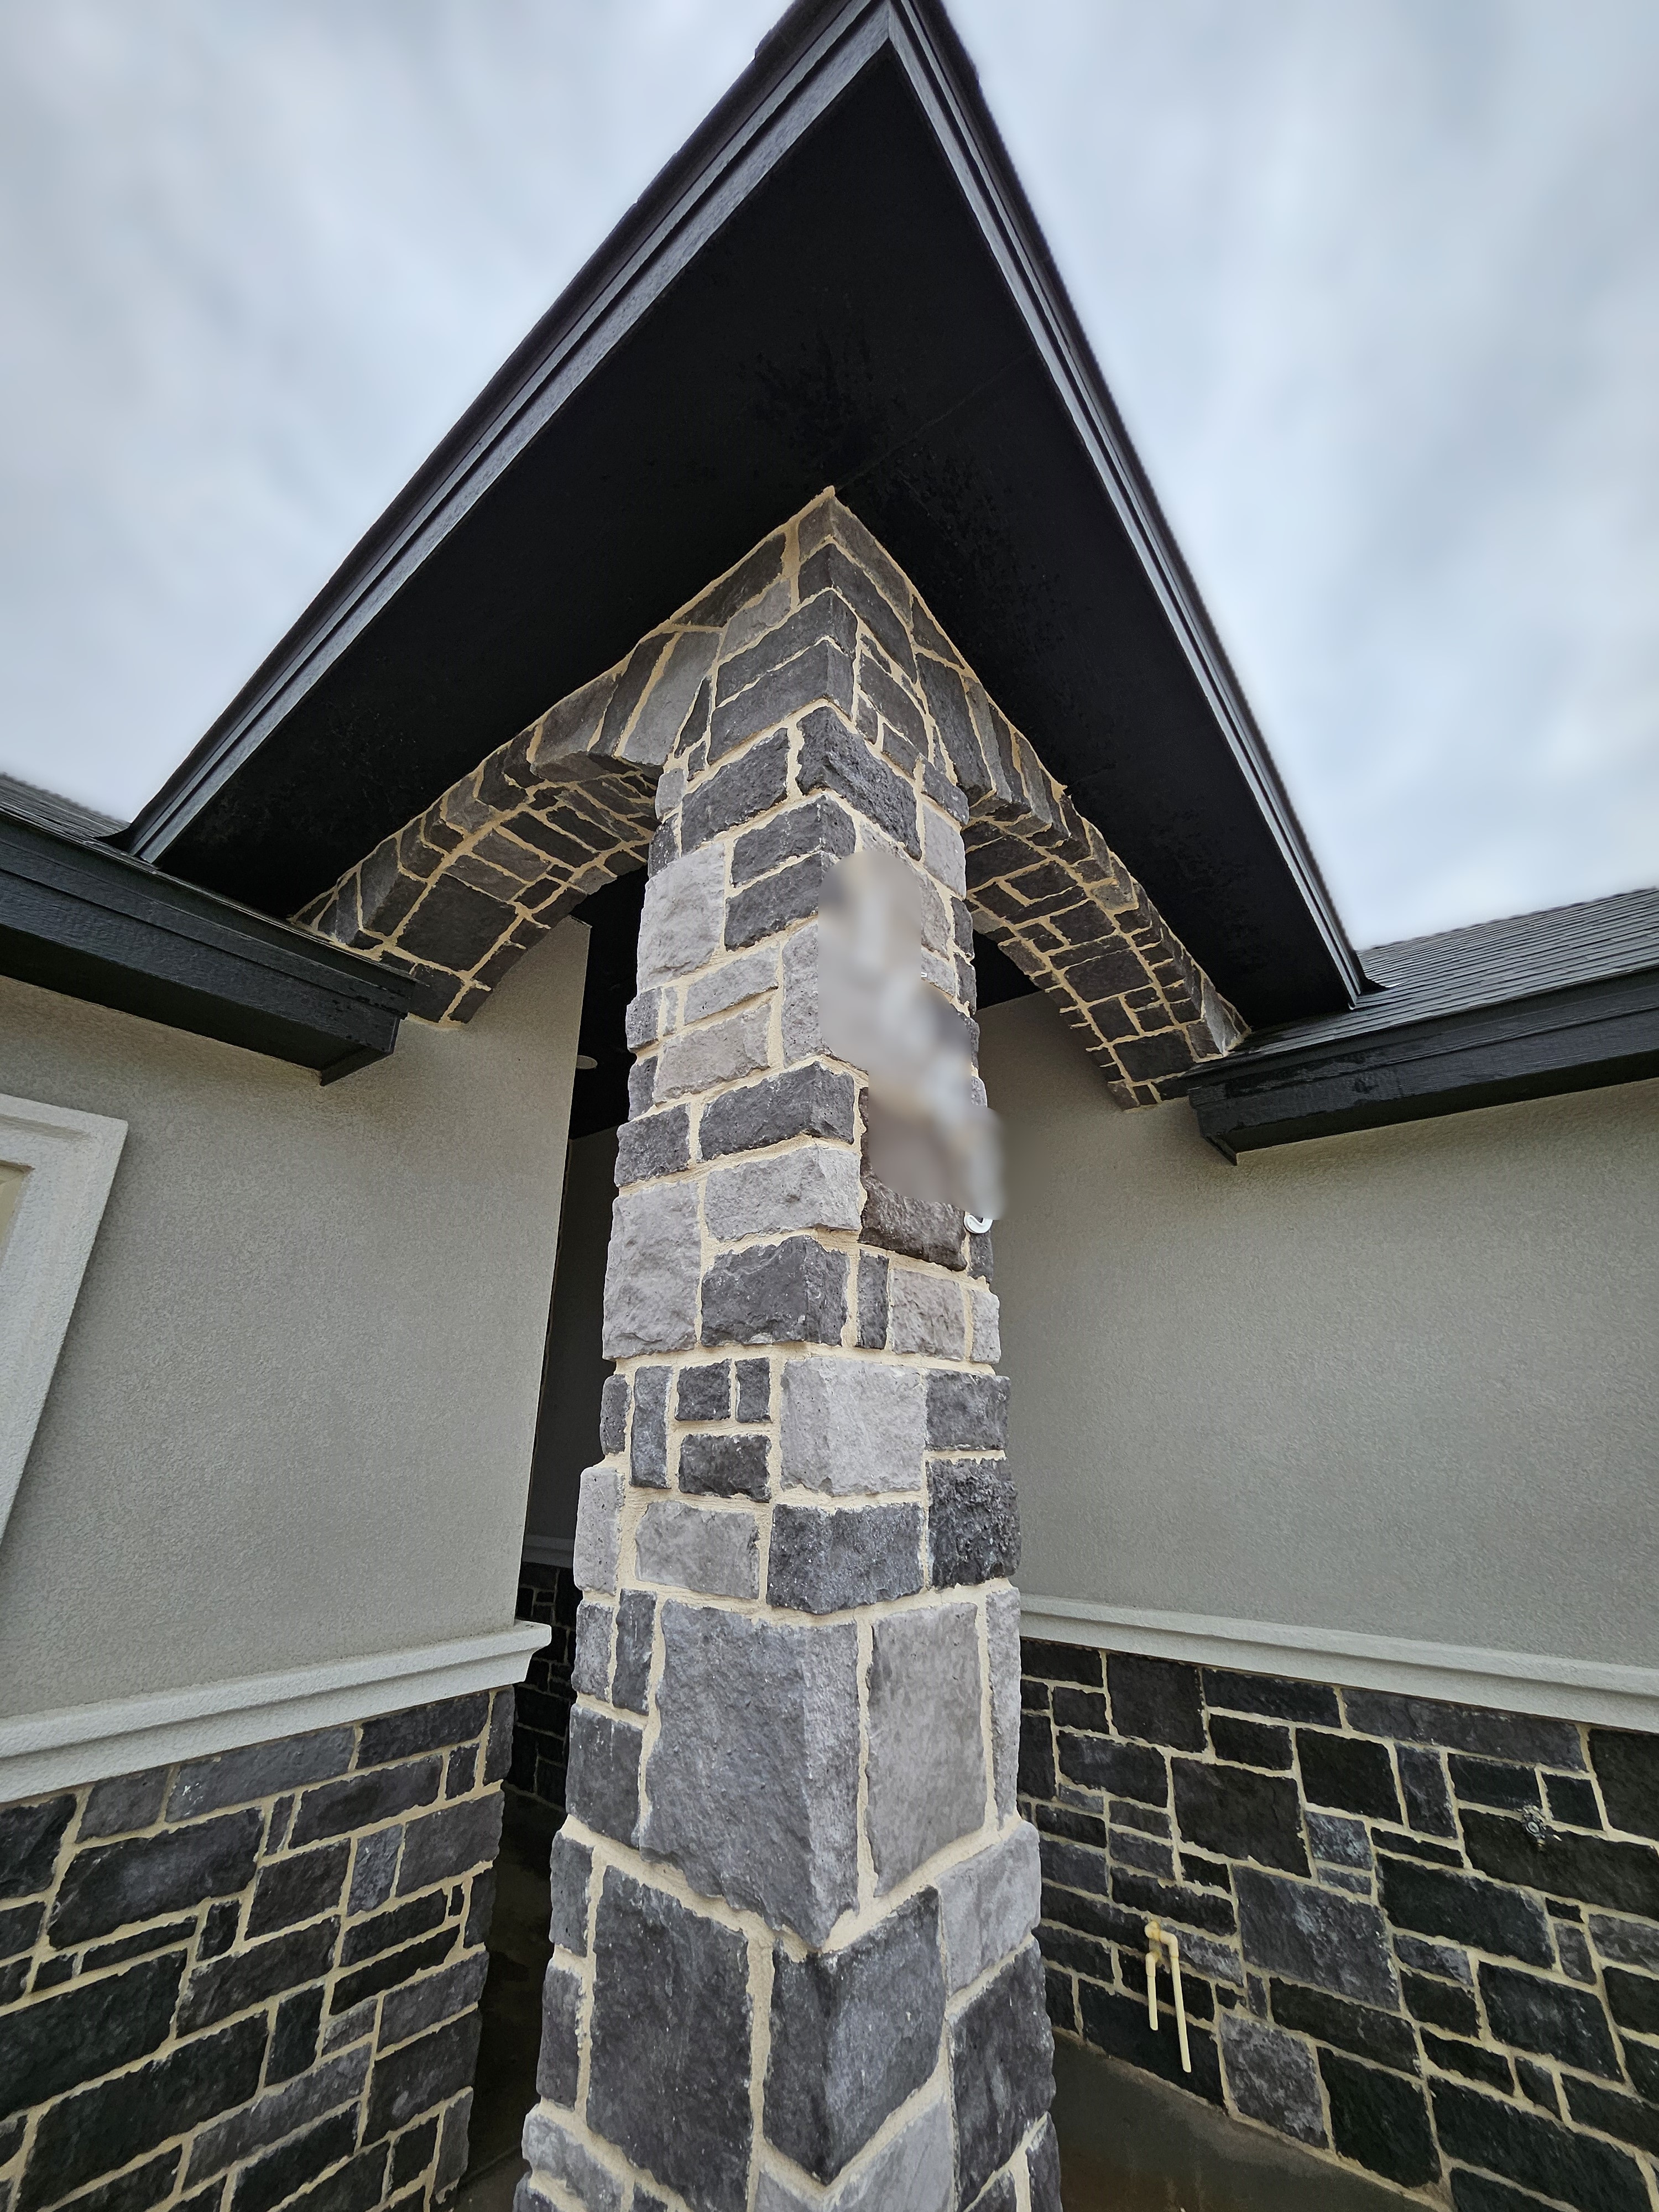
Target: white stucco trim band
1510	1681
85	1743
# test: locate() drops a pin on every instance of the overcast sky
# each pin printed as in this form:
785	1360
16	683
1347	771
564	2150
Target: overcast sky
1377	286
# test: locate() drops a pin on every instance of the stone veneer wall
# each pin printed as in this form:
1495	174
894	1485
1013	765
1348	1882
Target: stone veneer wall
541	1712
252	1981
791	1900
1422	1937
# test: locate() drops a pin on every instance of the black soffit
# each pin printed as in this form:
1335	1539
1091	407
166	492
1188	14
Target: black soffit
839	282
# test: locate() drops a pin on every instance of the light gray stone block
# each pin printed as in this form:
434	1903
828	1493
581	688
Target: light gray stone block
684	917
853	1425
692	1547
942	850
803	1029
551	2148
911	2173
754	1780
590	1667
1002	1640
599	1525
987	1322
989	1903
723	1052
651	1274
925	1313
748	977
816	1187
926	1747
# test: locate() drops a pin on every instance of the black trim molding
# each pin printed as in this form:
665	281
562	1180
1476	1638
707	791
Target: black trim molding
80	919
1584	1038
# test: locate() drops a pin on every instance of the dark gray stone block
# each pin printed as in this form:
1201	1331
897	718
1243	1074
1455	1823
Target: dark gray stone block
1347	1772
973	1522
114	2121
1518	1736
1483	1914
703	1393
754	1780
293	2036
822	671
793	1292
132	2191
736	792
110	1884
835	757
570	1868
368	1939
655	1144
822	1561
1239	1813
553	2148
283	2172
670	2040
1273	2078
298	1888
1382	2037
1428	1800
1627	1768
602	1781
1624	1876
376	1869
967	1412
1002	2078
873	1301
1251	1743
1156	1699
854	2032
811	1101
363	1801
1314	1935
560	2063
450	1843
422	2004
920	1229
1381	2121
1532	2013
1268	1693
831	568
820	827
1338	1841
19	1926
754	1389
231	1984
227	2142
86	2029
822	616
648	1446
1123	1769
724	1467
428	2071
122	1804
792	894
636	1614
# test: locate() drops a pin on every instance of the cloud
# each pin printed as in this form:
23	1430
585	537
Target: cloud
1377	288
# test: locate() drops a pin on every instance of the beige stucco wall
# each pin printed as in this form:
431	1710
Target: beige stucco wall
1404	1383
293	1416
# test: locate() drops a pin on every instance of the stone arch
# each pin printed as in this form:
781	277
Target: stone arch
817	613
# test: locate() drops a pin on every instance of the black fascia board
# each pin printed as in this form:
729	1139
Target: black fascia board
1582	1038
94	924
838	280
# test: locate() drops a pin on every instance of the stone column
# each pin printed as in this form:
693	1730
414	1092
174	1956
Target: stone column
793	1902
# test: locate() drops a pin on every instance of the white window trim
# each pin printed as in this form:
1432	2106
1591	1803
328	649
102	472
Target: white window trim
70	1159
